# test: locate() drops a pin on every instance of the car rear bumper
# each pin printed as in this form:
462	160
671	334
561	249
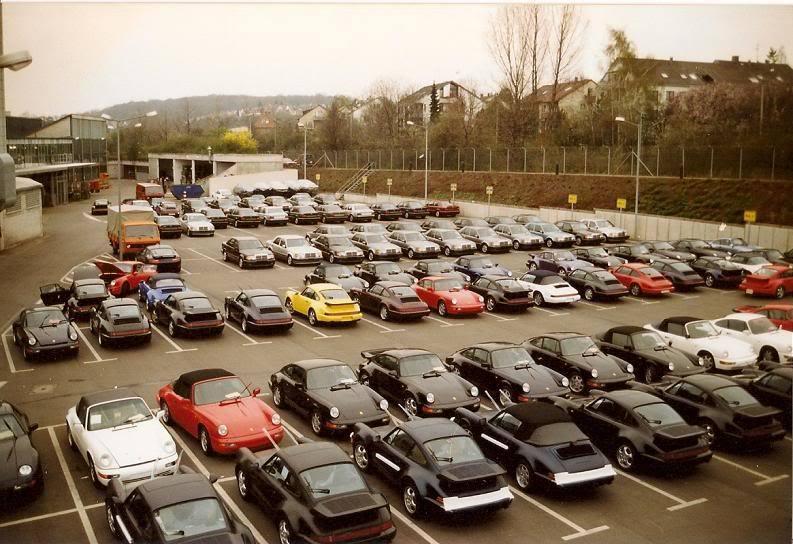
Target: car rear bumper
199	330
693	456
351	537
763	290
762	435
281	323
494	499
343	318
594	477
275	222
409	314
563	299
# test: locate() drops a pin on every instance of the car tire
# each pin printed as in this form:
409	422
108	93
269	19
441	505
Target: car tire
225	255
70	440
370	255
289	307
166	418
626	456
110	516
99	338
505	393
411	500
490	303
241	263
708	361
636	290
516	245
411	253
172	332
331	258
204	441
524	475
242	485
539	300
244	324
317	423
769	355
442	309
384	314
289	260
577	384
711	431
589	293
411	405
437	214
578	240
780	292
710	281
447	251
360	454
649	374
312	317
532	266
562	272
92	474
548	243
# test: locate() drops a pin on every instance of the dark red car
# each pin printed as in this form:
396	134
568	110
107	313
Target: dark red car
773	281
780	315
163	257
449	296
443	208
642	279
217	407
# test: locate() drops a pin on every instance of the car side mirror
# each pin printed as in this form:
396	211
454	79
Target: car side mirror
159	414
33	427
300	386
670	343
256	392
213	478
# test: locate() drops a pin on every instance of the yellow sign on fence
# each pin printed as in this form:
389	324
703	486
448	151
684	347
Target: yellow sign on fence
749	216
389	181
622	203
453	186
572	199
317	177
364	180
489	189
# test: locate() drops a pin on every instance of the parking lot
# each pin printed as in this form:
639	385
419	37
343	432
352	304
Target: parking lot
737	497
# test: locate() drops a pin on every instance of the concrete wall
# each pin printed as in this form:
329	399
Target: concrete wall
229	182
24	220
650	227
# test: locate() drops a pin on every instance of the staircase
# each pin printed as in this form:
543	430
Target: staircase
356	179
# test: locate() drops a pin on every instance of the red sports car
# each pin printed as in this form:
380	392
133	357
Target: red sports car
124	276
443	208
775	281
641	279
780	315
218	408
449	296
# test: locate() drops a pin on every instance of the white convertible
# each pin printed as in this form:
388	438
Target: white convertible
118	436
699	338
549	288
771	343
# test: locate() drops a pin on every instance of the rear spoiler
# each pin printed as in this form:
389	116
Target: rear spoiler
368	354
378	501
695	432
489	469
332	303
748	412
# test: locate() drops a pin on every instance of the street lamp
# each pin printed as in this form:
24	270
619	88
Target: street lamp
305	145
426	154
621	119
118	123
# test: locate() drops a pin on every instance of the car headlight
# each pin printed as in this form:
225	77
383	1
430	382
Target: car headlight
25	470
72	334
223	430
671	367
565	382
113	283
509	273
474	391
250	257
481	299
724	353
454	301
105	460
526	388
414	280
430	398
700	361
168	446
334	412
594	372
32	341
384	405
467	277
275	419
365	283
629	368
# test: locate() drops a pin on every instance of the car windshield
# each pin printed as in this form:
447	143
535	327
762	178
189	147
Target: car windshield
739	242
516	229
215	391
141	231
304	209
774	255
295	242
510	357
699	244
418	365
362	207
44	318
336	479
770	272
724	265
564	256
332	208
328	376
578	345
448	235
440	267
761	325
167	220
191	518
701	329
117	412
124	312
640	250
663	246
339	241
606	277
190	217
450	284
197	303
735	395
646	340
548	227
266	301
757	260
251	244
603	223
404	292
337	271
658	414
169	282
335	294
89	290
386	206
485	231
101	202
163	253
276	200
411	236
551	280
10	427
390	268
375	239
454	449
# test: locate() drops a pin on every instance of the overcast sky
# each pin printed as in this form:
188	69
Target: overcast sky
89	56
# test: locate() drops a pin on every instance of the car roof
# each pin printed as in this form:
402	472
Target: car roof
494	345
708	382
626	329
534	415
204	374
168	490
88	281
438	278
302	457
319	287
681	319
562	335
258	292
635	266
113	302
631	398
290	236
542	273
390	284
785	371
405	352
745	316
184	295
427	429
667	261
107	395
308	364
592	269
166	276
238	238
496	277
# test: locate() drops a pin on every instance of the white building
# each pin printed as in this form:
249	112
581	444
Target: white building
416	106
23	221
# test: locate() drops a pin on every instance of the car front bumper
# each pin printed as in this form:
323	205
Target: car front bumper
259	263
138	473
735	364
54	349
254	442
607	384
469	309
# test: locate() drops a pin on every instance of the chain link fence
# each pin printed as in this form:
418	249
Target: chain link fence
766	163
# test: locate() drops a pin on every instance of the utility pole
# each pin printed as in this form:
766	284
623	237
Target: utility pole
762	104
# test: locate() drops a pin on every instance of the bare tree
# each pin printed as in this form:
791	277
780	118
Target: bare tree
382	114
539	43
565	42
187	114
510	46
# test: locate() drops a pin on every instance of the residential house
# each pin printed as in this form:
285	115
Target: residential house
313	117
416	106
571	96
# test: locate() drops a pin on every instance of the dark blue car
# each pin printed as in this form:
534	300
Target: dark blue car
158	287
475	267
561	261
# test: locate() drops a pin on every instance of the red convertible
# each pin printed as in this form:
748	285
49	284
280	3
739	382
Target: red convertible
443	208
224	414
448	296
780	315
124	276
641	279
774	281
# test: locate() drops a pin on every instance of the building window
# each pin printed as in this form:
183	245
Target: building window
32	200
670	95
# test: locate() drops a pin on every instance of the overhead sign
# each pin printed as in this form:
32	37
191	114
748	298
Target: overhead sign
749	216
389	181
622	203
489	189
454	186
572	199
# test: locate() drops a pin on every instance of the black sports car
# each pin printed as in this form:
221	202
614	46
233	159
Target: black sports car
598	256
503	292
437	466
337	274
507	371
188	312
723	408
717	271
418	380
182	507
451	242
476	266
772	388
338	249
375	271
168	226
593	282
579	358
243	217
412	208
247	251
44	330
327	391
682	276
583	234
636	427
257	310
165	258
386	211
21	476
436	267
303	214
633	253
120	321
700	248
314	494
665	249
331	213
539	442
84	296
650	356
391	300
774	256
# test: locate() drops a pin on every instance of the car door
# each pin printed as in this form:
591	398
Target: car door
550	356
621	346
233	249
480	369
179	402
294	387
386	377
302	301
270	483
237	307
165	309
137	516
604	421
370	299
391	454
497	439
687	399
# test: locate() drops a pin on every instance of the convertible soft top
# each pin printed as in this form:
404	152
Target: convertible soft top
544	424
190	378
168	490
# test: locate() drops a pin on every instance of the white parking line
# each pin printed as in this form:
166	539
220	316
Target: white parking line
222	492
764	478
78	503
500	318
322	335
92	218
680	502
788	438
579	531
218	261
684	297
416	529
634	299
598	307
8	355
385	329
554	314
97	357
251	341
37	518
177	347
442	322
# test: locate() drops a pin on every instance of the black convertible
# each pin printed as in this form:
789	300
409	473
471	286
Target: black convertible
503	292
328	392
772	388
436	465
315	494
539	443
507	370
337	274
44	330
418	380
258	310
20	469
637	427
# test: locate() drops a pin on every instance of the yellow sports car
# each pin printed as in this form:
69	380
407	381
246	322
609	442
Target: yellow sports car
323	303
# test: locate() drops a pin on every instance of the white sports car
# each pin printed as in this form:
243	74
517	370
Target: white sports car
750	264
769	342
549	288
197	224
117	435
699	338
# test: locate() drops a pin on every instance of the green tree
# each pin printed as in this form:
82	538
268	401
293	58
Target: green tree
435	104
237	142
334	132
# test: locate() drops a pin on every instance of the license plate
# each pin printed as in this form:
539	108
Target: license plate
665	292
749	291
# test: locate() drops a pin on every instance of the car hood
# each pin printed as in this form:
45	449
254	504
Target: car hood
718	345
679	255
345	249
606	366
613	231
458	242
540	381
51	335
134	444
16	453
446	387
573	265
495	271
559	236
402	277
463	296
423	245
355	403
494	240
243	417
383	245
254	252
303	251
353	282
668	355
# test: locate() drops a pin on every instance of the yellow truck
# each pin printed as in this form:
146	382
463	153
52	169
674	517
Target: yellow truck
130	229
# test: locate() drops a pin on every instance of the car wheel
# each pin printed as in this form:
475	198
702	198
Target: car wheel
576	382
710	281
285	532
312	317
626	456
649	374
411	499
589	293
225	255
538	299
204	441
289	260
437	214
548	243
780	292
92	474
244	325
411	253
289	307
532	266
69	439
172	330
331	258
578	241
708	361
166	412
361	455
442	308
370	255
99	338
317	423
411	405
524	475
505	393
405	215
384	315
491	304
447	251
363	377
110	514
635	289
242	485
562	271
241	263
769	355
711	431
516	245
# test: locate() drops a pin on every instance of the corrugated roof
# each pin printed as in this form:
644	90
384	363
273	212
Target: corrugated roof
27	183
